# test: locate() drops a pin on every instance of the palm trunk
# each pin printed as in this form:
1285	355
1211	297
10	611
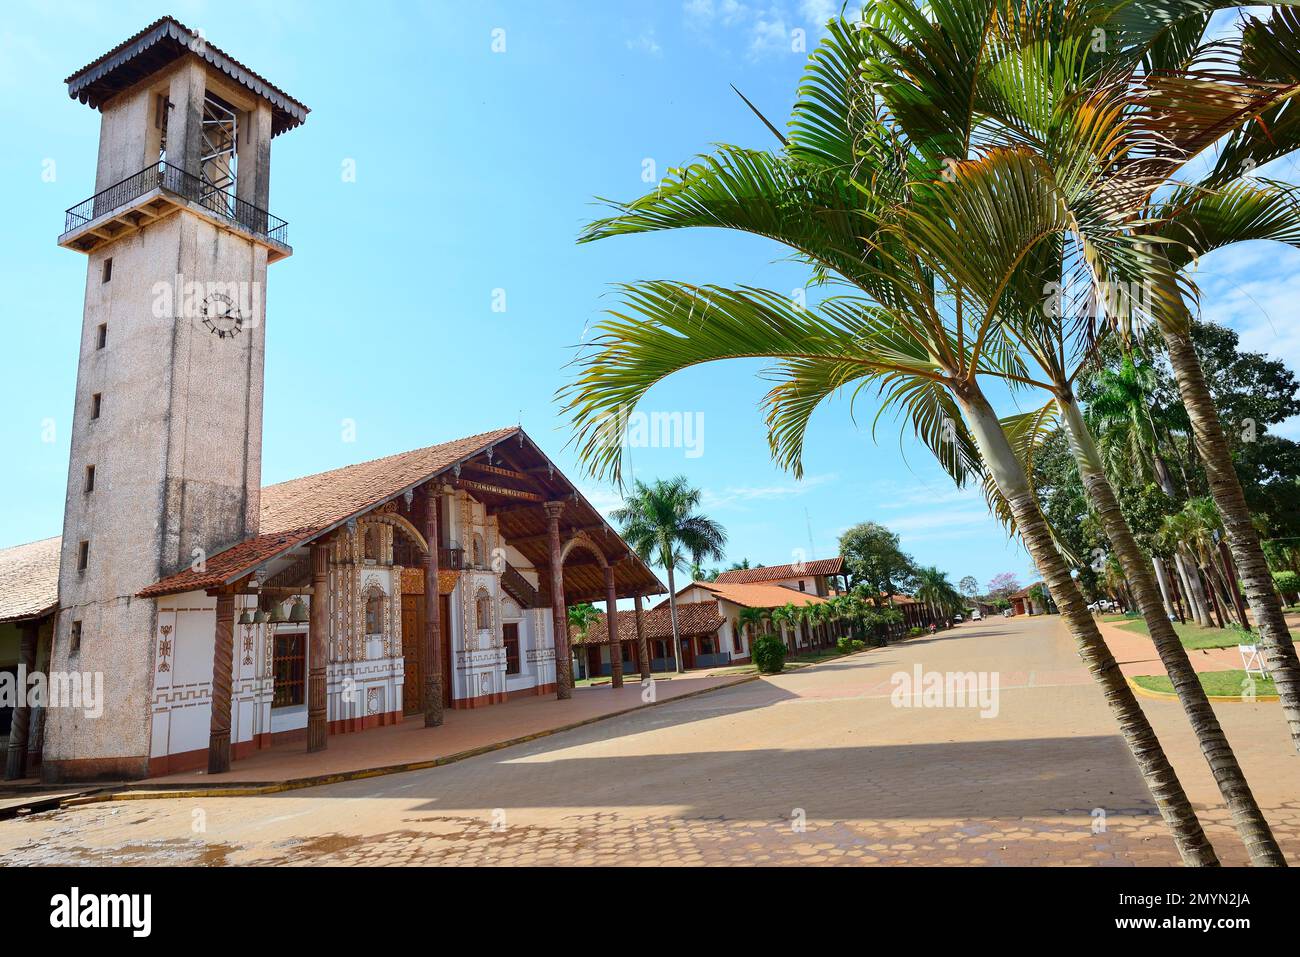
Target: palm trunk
1251	825
672	617
1175	592
1192	589
1193	846
1243	540
1163	585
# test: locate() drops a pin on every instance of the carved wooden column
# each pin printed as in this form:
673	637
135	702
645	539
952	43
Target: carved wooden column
431	640
611	616
21	723
643	646
317	654
223	661
559	613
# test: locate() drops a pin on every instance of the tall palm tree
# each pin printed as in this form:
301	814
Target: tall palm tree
856	197
660	522
936	591
1037	107
1238	97
1120	410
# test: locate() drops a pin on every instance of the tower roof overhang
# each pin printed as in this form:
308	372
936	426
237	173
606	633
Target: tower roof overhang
156	47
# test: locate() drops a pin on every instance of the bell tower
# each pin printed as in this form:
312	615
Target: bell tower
167	422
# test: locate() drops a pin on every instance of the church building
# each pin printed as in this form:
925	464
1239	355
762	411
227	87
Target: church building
225	616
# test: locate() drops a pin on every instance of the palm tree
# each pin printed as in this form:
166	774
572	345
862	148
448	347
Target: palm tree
788	616
660	522
581	617
1238	97
750	620
855	197
1120	411
934	588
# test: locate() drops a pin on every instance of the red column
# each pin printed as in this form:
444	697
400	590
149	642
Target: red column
431	640
559	615
615	643
642	645
18	728
317	633
223	661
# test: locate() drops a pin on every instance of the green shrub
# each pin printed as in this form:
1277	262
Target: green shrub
915	632
768	652
845	645
1288	583
857	644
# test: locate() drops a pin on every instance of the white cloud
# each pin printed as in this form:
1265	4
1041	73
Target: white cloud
1253	288
645	42
742	495
603	500
764	28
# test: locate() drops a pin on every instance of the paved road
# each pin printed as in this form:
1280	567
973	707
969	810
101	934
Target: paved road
814	767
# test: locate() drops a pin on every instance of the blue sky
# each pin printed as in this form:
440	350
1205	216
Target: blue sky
475	170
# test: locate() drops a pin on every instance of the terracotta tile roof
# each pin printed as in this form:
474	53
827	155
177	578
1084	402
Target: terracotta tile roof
296	511
328	498
759	595
818	566
693	618
230	564
29	579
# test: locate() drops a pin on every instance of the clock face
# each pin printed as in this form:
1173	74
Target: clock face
222	316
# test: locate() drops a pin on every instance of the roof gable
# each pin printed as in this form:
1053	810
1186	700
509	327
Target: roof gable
812	569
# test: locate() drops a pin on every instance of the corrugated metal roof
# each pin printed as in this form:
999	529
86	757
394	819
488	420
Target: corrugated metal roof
157	46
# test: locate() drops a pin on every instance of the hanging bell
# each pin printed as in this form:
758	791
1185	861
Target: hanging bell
259	617
298	613
277	614
246	617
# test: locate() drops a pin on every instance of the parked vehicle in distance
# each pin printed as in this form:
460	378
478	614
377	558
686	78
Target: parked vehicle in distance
976	615
957	619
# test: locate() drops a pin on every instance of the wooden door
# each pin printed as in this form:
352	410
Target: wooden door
412	634
688	653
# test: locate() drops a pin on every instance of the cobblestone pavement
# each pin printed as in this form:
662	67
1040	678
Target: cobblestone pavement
814	767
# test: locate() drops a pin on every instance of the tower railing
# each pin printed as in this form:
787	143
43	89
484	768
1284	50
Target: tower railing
172	179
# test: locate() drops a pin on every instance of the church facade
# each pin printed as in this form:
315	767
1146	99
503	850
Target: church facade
225	616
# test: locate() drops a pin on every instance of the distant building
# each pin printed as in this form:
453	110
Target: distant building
698	624
807	577
1022	603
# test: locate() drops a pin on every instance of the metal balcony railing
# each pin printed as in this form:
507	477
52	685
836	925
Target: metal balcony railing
172	179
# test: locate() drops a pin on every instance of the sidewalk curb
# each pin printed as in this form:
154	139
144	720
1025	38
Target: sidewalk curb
139	792
1170	696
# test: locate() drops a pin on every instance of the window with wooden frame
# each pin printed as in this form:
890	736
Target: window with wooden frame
289	666
483	610
510	634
